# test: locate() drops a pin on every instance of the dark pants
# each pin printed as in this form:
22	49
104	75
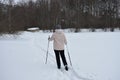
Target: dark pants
58	54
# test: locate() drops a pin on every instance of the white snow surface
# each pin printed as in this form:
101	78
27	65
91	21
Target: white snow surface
94	56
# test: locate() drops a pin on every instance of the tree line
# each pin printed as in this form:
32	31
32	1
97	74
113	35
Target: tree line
45	14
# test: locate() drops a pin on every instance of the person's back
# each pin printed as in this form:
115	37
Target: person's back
59	40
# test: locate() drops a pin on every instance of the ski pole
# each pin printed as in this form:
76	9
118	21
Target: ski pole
47	52
69	55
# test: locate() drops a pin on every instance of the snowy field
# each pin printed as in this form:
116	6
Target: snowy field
95	56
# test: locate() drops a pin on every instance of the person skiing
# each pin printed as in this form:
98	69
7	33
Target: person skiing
59	40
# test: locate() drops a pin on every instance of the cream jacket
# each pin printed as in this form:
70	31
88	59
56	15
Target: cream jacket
59	39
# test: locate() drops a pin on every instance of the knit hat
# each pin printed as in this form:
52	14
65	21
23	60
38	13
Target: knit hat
58	26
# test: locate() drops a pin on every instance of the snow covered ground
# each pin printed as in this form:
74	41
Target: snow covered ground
95	56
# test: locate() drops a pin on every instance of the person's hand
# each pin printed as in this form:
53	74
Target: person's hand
49	38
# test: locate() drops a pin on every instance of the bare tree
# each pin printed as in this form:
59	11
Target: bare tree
10	3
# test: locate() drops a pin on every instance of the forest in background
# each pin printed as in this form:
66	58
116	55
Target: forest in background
45	14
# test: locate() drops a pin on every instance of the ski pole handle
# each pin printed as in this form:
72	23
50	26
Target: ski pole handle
49	37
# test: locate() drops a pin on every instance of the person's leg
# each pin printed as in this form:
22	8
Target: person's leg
57	54
64	59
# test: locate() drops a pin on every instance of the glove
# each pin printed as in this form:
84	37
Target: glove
49	38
